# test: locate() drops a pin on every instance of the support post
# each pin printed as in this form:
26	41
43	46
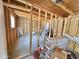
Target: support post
50	27
62	27
69	26
53	25
77	28
57	28
39	27
30	28
44	27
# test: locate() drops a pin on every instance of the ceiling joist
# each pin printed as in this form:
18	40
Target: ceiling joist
16	7
43	8
62	5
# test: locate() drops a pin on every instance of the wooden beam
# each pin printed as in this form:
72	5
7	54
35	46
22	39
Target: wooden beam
62	30
45	16
50	26
44	27
57	28
77	33
39	26
56	21
30	27
53	26
69	25
63	6
19	8
16	7
42	7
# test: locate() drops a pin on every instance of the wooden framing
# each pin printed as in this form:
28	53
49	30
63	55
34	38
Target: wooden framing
50	25
39	20
44	27
59	24
78	28
57	28
16	7
63	6
30	27
69	26
42	7
8	37
63	24
19	8
53	26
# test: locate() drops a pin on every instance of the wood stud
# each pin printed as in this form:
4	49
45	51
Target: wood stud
62	27
44	27
50	27
30	28
69	25
39	26
77	33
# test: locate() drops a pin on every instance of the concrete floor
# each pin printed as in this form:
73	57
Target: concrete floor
22	46
29	57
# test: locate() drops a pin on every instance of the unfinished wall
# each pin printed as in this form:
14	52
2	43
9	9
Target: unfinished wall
57	26
69	25
23	24
23	21
72	26
11	33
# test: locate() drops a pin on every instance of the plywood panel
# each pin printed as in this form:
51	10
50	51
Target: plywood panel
73	26
68	25
65	25
11	34
55	27
59	27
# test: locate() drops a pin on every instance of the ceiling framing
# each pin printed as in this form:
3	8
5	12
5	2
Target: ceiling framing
64	9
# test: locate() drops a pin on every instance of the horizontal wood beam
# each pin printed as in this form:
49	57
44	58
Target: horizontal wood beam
64	7
16	7
42	7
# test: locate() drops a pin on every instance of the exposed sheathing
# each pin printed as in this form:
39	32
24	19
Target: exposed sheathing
52	26
72	25
56	21
59	27
23	24
65	25
42	24
35	22
23	21
11	33
69	25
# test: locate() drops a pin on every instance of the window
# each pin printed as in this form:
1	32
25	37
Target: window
12	21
